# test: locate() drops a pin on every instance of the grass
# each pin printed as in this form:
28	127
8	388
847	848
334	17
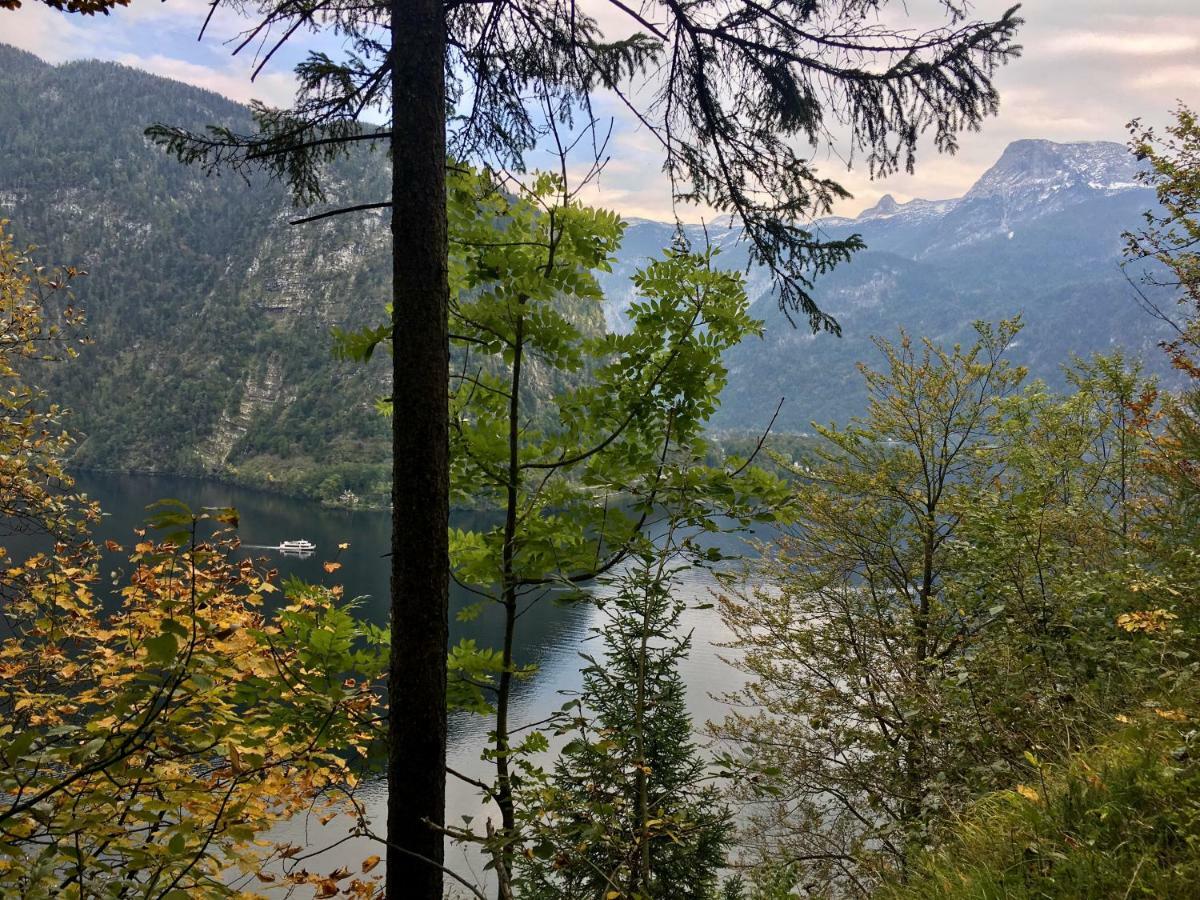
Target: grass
1120	821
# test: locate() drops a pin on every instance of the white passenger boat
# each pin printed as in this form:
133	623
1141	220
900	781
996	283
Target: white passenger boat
300	546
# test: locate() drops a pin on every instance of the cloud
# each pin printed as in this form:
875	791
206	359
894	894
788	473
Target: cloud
1089	67
1181	78
1122	43
274	88
158	38
55	37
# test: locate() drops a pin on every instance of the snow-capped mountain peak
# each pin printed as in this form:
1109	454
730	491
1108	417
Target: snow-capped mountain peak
1040	166
889	207
1036	190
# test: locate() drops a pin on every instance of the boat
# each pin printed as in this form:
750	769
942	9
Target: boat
300	546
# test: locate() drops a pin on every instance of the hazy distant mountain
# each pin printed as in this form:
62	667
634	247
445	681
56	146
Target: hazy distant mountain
211	315
1038	234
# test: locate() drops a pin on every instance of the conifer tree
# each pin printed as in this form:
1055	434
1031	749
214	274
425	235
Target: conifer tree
628	809
731	90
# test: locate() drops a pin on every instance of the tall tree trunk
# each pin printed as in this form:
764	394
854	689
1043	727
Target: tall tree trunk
420	467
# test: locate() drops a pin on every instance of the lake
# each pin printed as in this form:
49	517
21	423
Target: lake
550	635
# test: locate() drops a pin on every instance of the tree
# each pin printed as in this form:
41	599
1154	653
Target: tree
1169	243
147	748
580	442
150	750
842	661
731	87
628	812
1171	235
39	323
419	611
83	7
1090	825
943	603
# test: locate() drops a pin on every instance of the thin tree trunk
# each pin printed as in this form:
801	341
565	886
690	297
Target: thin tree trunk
504	795
642	877
420	468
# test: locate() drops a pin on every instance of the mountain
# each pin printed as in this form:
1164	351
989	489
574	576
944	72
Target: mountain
211	316
1038	234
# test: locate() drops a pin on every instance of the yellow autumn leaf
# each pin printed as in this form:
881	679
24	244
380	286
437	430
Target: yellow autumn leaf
370	862
1029	793
1172	715
1149	621
332	566
344	545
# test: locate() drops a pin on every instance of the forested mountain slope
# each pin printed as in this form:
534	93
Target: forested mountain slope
211	316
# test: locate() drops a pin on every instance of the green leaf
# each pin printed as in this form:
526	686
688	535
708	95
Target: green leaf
162	648
174	626
19	746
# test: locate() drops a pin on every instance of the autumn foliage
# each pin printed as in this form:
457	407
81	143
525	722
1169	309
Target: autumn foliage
82	7
154	730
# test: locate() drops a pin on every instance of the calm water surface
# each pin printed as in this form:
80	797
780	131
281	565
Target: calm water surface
550	635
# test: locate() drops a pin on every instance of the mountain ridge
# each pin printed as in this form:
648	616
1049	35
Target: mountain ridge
1037	234
212	315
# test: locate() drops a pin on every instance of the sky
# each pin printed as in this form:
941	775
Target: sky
1088	67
